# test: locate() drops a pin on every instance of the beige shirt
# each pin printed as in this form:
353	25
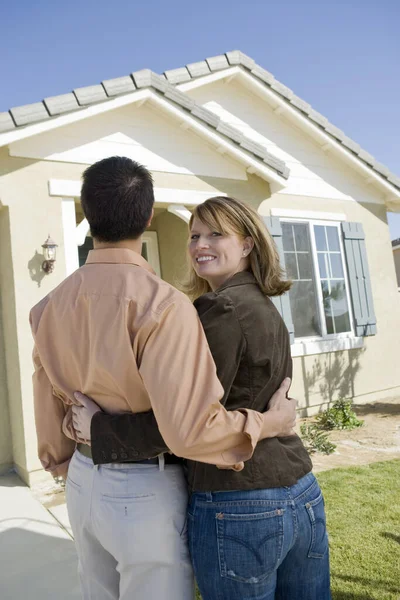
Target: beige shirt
132	342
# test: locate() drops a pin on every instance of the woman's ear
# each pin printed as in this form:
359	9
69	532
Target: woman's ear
248	245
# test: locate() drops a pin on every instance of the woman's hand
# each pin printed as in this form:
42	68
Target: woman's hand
280	418
82	416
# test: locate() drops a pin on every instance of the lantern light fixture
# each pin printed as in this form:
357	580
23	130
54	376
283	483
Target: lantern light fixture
50	253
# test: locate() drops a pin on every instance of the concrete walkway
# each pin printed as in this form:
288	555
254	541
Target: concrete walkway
37	554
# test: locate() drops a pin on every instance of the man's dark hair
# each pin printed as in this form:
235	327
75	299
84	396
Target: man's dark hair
117	198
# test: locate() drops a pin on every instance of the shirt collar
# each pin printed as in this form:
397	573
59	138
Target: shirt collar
241	278
118	256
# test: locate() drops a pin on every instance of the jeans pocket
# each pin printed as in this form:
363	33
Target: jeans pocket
319	539
249	545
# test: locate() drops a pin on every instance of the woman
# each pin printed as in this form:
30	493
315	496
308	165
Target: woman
259	532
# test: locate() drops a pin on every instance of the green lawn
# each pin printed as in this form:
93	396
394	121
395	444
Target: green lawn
363	509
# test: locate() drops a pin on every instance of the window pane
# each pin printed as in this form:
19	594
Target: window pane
333	239
337	267
320	237
288	239
304	309
339	306
291	265
302	237
323	265
305	266
326	297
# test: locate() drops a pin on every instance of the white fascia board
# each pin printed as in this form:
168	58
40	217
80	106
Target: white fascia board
307	214
211	78
306	124
180	211
219	141
82	113
66	188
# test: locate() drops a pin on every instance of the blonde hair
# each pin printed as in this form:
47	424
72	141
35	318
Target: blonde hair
230	216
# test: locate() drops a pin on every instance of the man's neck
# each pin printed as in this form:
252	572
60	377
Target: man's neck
135	245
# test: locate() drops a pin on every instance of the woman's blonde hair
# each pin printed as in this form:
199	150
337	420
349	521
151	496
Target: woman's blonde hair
230	216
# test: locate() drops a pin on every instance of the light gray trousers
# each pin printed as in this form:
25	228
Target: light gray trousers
129	525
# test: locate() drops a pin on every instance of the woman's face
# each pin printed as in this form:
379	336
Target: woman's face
216	257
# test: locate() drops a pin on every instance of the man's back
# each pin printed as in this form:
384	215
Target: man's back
91	330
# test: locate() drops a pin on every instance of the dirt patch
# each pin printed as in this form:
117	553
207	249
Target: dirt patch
377	440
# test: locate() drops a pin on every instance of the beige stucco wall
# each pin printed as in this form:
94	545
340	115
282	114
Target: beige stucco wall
372	372
31	214
6	453
396	257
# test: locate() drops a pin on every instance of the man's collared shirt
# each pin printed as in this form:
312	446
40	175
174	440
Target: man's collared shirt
116	332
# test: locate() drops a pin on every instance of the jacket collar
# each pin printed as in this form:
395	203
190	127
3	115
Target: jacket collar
241	278
117	256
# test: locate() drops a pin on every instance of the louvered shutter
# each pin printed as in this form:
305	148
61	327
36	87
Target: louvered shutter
359	278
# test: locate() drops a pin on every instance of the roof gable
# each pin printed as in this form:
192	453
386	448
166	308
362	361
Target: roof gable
52	109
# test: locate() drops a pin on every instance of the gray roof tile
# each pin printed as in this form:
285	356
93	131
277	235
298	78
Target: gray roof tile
351	144
198	69
231	132
394	180
57	105
180	98
177	75
217	63
146	78
382	169
335	131
238	58
318	118
263	74
6	122
205	115
367	157
300	104
254	147
30	113
119	85
90	94
282	89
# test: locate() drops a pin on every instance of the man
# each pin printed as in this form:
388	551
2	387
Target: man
133	343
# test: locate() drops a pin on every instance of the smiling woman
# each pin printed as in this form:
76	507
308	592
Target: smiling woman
227	237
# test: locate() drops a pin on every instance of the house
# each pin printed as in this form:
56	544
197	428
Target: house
221	126
396	256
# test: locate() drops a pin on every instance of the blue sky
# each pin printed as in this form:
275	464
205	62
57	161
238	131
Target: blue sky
342	57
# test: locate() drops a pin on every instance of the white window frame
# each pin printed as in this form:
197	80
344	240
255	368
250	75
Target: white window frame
317	344
150	239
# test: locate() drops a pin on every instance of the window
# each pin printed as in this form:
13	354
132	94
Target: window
319	298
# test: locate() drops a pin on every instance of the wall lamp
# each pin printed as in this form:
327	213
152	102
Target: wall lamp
49	251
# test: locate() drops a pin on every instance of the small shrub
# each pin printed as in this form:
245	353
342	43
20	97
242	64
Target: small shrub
339	416
315	440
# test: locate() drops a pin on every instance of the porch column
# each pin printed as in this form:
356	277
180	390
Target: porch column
70	241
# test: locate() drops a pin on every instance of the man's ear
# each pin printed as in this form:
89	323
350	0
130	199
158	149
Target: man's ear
151	218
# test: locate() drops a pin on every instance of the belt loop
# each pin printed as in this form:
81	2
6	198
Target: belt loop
208	497
161	462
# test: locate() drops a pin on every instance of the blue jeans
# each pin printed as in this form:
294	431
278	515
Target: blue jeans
268	544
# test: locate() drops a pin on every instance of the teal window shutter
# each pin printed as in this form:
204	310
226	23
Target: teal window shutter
282	303
359	278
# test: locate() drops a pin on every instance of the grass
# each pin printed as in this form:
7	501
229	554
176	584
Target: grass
363	511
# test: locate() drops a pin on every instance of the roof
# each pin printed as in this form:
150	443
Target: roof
80	98
396	243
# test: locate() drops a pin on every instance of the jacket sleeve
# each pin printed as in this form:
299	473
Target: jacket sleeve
128	436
